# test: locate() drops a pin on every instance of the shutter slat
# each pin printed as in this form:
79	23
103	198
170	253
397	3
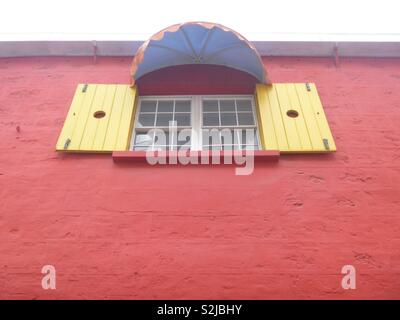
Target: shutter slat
126	123
289	123
101	132
301	127
264	115
80	126
71	120
270	118
89	133
277	119
321	117
309	117
115	117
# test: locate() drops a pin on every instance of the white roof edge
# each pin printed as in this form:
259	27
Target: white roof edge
387	48
250	35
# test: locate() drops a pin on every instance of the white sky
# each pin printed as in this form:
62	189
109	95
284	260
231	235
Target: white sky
257	20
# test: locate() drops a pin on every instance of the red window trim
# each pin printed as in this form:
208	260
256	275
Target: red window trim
140	156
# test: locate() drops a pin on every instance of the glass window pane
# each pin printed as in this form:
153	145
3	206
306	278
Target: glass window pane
227	137
243	105
210	119
245	119
248	137
238	136
161	138
163	119
148	106
143	140
210	105
182	106
146	120
228	119
184	137
211	137
165	106
227	105
182	119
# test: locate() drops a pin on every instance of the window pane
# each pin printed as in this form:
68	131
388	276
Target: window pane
243	105
210	119
148	106
146	120
227	137
210	105
248	137
227	105
165	106
182	119
228	119
163	119
184	137
182	106
245	119
161	138
143	140
211	137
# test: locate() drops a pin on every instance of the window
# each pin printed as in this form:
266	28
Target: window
195	123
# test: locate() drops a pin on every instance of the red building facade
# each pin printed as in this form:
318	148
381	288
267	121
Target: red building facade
135	231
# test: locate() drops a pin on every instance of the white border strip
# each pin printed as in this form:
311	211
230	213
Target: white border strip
265	48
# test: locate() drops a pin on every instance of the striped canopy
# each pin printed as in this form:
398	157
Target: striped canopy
197	43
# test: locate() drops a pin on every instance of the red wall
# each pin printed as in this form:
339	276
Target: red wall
136	231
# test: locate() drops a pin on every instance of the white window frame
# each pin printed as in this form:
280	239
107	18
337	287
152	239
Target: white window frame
196	116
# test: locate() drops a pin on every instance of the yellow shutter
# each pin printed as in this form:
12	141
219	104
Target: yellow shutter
100	119
291	118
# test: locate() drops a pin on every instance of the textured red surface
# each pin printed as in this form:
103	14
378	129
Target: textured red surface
117	231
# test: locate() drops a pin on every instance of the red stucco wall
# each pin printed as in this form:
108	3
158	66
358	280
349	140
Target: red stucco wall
137	231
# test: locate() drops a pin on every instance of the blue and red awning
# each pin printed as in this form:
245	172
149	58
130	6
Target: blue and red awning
198	43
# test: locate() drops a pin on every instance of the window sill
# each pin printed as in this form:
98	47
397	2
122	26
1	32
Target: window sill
140	156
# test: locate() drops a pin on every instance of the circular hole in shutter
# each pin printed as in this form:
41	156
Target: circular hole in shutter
292	114
99	114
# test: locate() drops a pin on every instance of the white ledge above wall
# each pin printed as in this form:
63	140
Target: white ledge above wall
379	49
